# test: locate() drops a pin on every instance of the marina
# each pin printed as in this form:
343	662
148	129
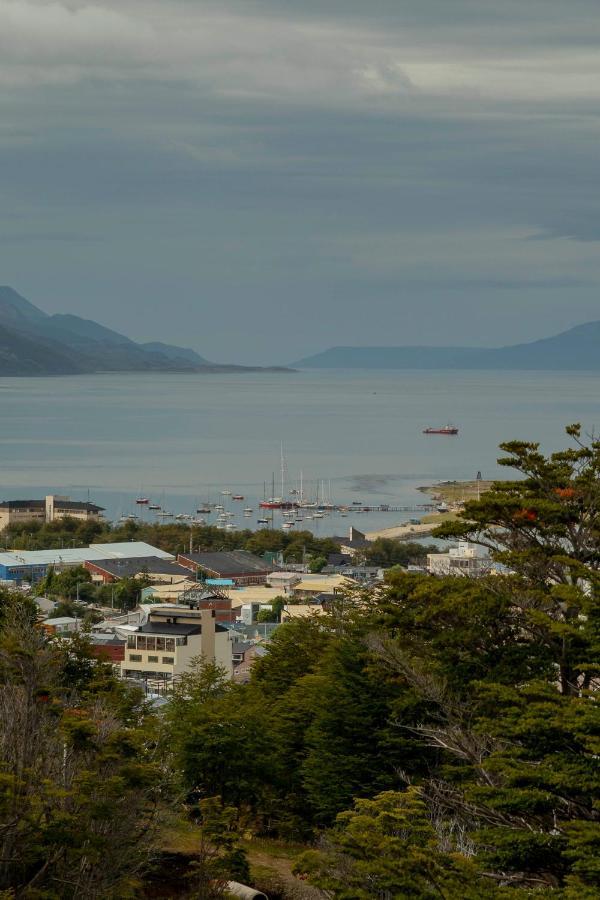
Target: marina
175	441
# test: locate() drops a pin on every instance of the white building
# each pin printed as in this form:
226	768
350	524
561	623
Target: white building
466	559
172	637
61	625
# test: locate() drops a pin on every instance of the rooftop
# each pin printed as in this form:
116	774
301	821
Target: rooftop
104	639
59	503
174	628
229	562
130	566
129	549
74	555
169	628
56	557
323	583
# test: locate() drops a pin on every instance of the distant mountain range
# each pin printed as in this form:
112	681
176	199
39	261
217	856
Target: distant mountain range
576	349
35	343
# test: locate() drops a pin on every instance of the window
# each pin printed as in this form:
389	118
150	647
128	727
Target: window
135	657
168	660
131	642
146	643
152	659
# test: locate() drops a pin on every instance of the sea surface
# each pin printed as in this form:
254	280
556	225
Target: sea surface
354	435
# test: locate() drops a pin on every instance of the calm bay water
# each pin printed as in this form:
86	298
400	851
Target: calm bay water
182	439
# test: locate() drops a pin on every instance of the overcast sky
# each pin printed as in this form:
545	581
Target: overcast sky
262	179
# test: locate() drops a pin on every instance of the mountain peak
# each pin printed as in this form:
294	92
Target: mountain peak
16	309
35	343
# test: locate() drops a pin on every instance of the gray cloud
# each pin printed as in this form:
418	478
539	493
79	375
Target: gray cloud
264	178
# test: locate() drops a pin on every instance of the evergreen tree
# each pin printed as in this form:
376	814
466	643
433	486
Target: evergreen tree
388	848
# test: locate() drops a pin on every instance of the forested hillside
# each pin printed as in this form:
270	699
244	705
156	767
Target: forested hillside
434	737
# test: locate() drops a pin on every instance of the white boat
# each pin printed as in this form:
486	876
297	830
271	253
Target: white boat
248	509
287	524
219	508
226	493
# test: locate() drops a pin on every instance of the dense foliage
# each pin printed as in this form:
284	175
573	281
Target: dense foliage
432	737
173	538
386	552
82	774
444	732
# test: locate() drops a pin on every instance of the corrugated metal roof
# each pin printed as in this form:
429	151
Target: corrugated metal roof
228	562
54	557
73	555
128	549
153	565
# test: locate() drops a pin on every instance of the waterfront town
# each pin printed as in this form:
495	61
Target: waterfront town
247	711
220	605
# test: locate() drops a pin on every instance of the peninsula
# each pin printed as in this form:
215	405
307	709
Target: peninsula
32	342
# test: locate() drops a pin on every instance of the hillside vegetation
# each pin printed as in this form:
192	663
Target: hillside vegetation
434	737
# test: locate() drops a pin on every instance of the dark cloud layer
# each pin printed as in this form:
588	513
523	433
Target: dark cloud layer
264	179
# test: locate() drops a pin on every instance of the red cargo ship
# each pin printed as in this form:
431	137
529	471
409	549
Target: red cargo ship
444	429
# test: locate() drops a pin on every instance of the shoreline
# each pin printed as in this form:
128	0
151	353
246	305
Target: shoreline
407	531
454	493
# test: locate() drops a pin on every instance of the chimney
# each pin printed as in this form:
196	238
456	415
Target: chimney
49	508
207	638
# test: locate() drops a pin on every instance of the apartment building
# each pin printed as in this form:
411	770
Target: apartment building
466	559
50	509
165	646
